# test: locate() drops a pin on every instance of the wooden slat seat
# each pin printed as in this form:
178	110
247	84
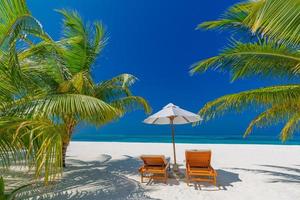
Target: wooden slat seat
154	167
198	167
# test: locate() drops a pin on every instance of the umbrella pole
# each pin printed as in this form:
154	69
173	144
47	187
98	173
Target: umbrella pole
173	141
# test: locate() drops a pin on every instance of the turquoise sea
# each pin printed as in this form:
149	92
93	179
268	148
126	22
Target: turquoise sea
185	138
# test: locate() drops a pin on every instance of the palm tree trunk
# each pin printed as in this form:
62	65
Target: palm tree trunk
64	152
70	124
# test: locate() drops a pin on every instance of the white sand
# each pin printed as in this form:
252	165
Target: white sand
245	171
102	170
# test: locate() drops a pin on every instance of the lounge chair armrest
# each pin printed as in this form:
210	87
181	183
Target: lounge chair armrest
211	168
187	166
140	168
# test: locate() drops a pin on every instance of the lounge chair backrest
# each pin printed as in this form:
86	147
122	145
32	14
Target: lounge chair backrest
154	160
198	158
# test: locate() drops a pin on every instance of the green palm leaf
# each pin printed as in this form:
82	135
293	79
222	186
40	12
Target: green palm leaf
275	19
16	20
117	87
276	114
278	19
290	127
232	19
36	143
263	97
81	55
273	51
82	107
246	59
131	103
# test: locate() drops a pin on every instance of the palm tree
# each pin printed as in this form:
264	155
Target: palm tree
47	90
77	51
17	28
271	49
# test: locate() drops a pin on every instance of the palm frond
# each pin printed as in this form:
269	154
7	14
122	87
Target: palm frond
17	21
274	52
76	83
34	142
290	127
82	107
47	57
99	38
260	98
276	114
273	115
131	103
117	87
81	55
248	59
232	19
277	19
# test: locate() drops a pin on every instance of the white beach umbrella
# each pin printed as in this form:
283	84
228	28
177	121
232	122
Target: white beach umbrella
172	114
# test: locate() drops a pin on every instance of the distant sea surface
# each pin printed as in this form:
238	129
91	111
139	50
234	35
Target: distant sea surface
185	138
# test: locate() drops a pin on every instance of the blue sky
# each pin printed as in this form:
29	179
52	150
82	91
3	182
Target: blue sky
156	41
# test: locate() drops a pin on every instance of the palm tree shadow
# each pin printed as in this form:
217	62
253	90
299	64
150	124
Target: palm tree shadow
108	179
226	179
281	174
130	166
16	177
104	179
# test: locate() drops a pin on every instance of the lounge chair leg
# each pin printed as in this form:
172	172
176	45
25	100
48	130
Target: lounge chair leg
187	180
141	178
215	181
166	178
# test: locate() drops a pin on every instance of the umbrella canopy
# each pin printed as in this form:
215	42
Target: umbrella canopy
172	114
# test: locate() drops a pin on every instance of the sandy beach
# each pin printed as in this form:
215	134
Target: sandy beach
102	170
146	75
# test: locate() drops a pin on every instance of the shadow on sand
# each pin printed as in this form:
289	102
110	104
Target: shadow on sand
277	173
108	179
225	179
92	180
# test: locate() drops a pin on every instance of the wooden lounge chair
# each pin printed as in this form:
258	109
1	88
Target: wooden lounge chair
154	167
198	166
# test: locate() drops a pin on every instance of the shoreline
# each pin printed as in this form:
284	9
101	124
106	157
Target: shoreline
163	142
